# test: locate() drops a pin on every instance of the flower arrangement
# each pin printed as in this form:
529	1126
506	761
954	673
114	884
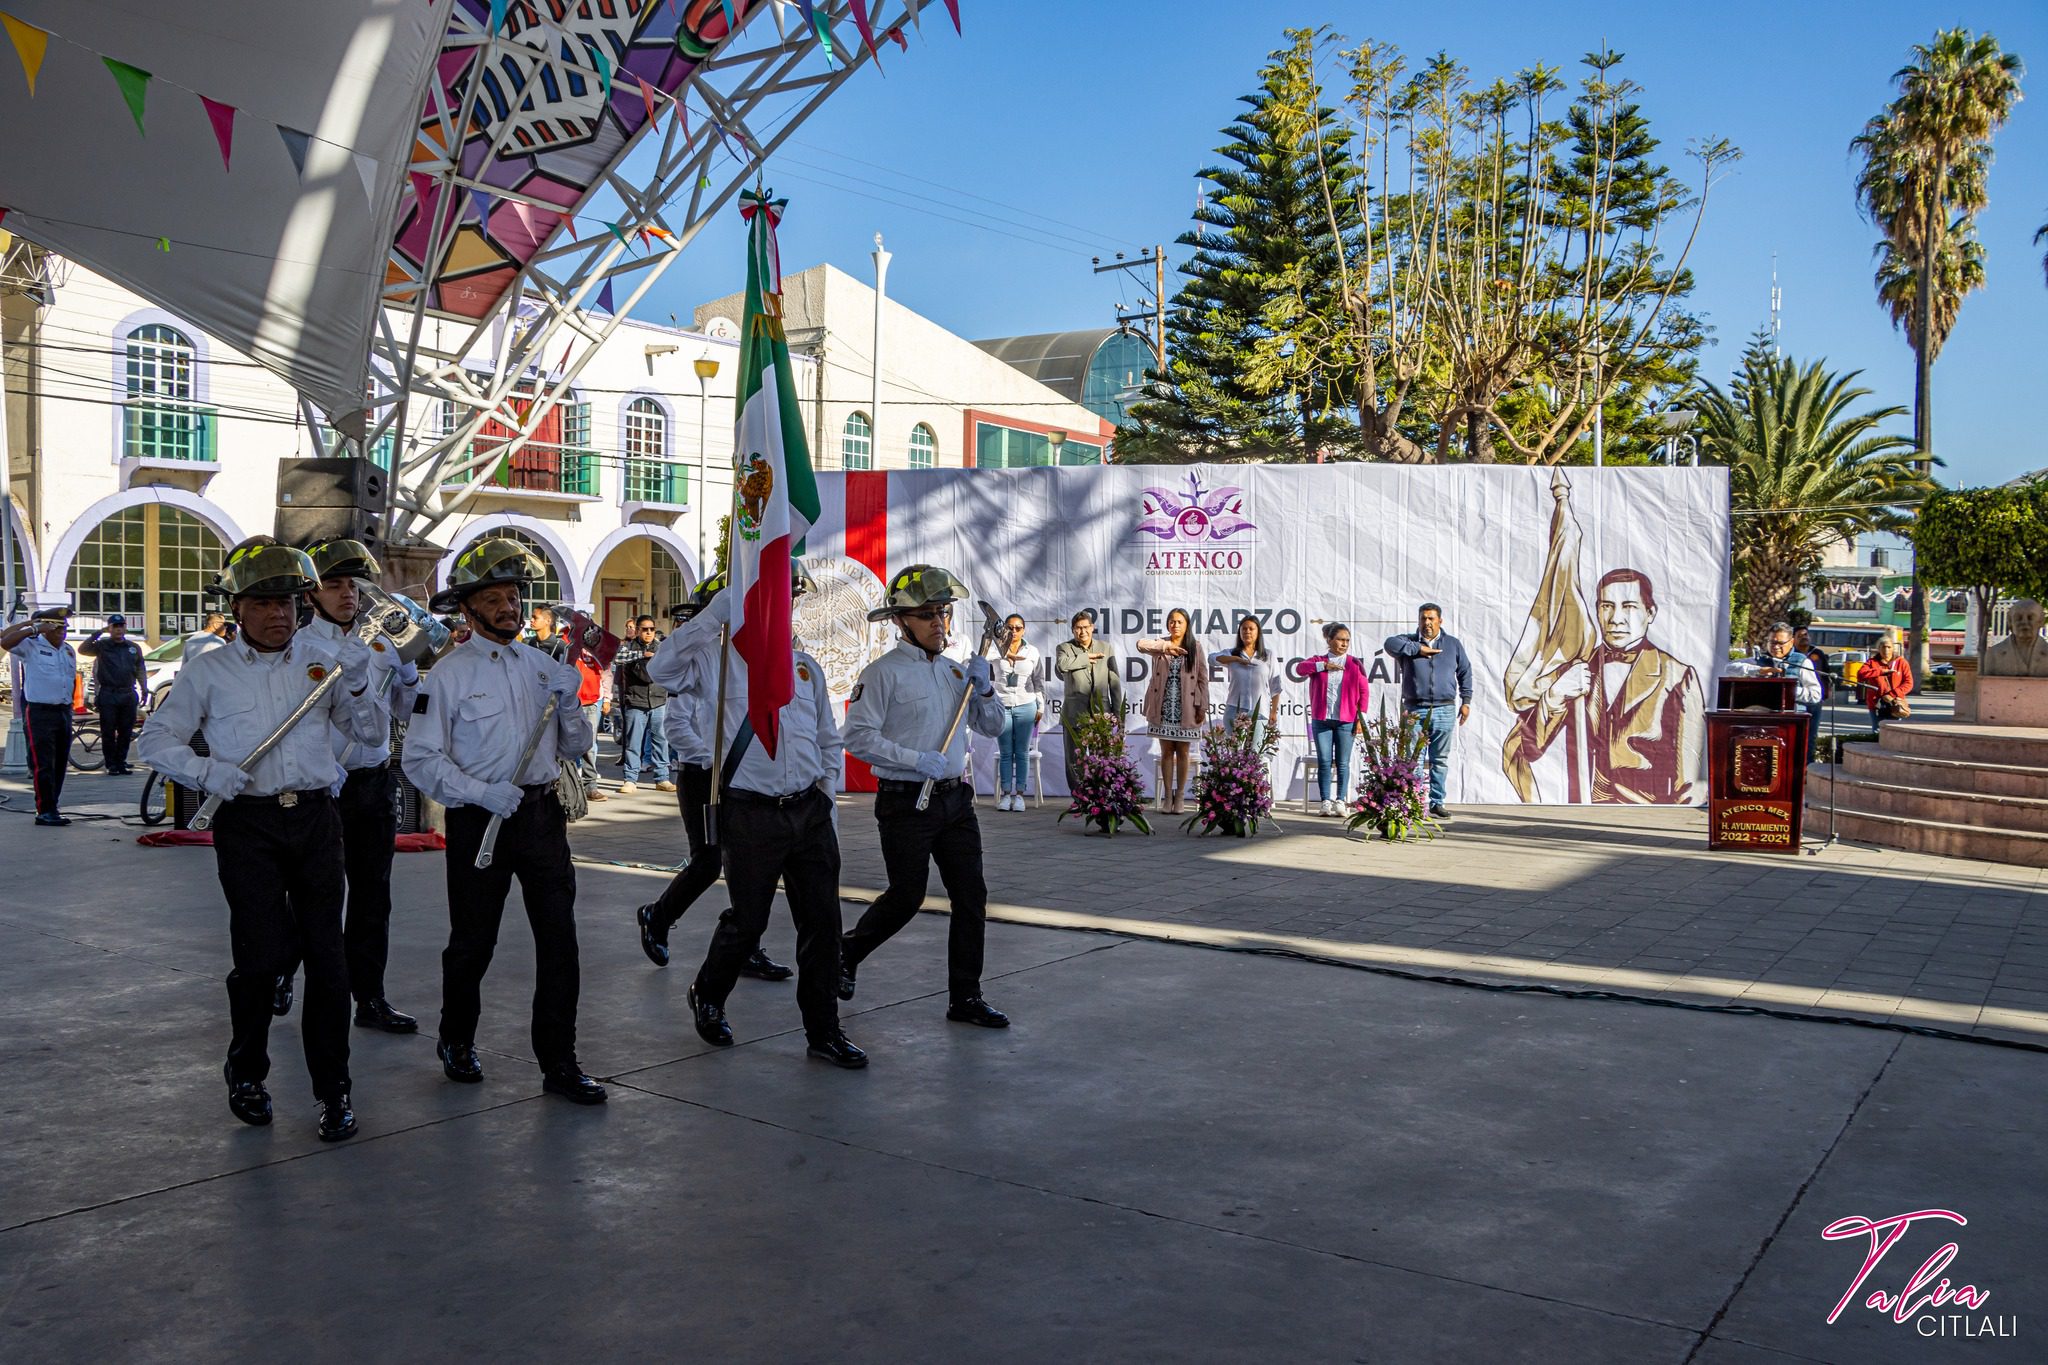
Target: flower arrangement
1393	784
1110	793
1234	790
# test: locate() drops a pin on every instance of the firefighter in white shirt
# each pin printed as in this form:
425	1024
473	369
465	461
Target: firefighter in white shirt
369	807
277	837
774	820
473	720
901	709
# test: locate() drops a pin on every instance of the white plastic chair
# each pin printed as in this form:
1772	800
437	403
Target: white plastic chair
1308	774
1037	757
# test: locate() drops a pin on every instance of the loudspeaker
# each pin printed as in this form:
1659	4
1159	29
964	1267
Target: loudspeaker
329	498
303	525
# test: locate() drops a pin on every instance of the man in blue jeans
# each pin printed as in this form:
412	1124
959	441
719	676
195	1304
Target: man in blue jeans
643	738
1436	677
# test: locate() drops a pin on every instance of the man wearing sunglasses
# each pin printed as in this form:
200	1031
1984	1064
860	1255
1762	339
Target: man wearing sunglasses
643	739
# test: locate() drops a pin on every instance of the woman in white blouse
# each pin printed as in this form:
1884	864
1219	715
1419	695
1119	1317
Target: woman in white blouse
1253	673
1021	690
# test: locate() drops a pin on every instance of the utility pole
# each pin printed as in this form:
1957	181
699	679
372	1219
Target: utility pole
1156	258
881	259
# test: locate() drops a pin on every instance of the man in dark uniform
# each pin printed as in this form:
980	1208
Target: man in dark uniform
897	722
466	748
277	837
120	680
49	675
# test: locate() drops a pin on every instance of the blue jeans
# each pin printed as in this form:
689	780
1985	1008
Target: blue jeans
1441	722
646	741
1257	713
1013	748
1333	751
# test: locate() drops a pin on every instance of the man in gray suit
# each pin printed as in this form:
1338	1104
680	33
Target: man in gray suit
1094	684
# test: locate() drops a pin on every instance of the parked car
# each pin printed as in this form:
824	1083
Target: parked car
1943	670
163	663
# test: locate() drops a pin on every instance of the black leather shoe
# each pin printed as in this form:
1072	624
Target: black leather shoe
458	1062
52	819
378	1014
1439	813
337	1120
838	1050
281	999
653	944
975	1010
710	1021
846	970
247	1100
763	968
572	1085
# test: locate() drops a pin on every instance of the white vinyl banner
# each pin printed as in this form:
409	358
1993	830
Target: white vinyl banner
1592	604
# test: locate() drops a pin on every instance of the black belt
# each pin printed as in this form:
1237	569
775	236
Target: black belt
536	790
286	799
890	784
741	796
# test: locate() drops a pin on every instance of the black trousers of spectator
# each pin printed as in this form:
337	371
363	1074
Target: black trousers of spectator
49	751
763	839
945	833
693	791
281	868
117	729
534	847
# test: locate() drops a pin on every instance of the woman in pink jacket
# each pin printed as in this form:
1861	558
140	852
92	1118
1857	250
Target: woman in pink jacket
1176	704
1338	693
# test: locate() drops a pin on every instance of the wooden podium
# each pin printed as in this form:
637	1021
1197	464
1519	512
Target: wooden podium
1756	766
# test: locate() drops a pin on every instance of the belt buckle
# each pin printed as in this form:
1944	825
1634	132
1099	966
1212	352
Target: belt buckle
287	799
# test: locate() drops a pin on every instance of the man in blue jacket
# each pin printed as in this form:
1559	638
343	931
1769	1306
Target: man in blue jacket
1436	682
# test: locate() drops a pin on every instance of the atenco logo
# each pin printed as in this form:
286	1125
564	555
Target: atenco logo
1193	526
1904	1306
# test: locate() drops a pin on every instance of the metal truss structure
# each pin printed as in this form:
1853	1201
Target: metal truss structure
759	85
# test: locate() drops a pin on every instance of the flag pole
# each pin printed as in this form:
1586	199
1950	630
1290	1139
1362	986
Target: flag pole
724	664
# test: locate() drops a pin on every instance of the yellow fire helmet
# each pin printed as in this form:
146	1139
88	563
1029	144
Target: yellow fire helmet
338	557
489	561
920	585
265	568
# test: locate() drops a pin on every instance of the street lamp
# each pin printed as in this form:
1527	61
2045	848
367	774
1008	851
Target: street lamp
1678	422
707	370
1057	440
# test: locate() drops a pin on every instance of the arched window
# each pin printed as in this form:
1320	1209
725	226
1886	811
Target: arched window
924	447
545	590
159	421
152	564
650	475
857	443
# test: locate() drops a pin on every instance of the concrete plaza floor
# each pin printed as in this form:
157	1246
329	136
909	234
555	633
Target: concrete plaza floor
1178	1153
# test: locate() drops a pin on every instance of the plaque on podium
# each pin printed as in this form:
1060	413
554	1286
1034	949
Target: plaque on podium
1756	766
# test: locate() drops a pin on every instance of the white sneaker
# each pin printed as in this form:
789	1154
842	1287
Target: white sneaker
1329	807
628	788
1013	801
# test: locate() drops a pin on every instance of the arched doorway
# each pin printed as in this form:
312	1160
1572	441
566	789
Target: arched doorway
150	562
639	576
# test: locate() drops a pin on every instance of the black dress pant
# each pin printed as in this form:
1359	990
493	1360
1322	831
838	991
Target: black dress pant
763	840
281	869
49	751
692	792
946	833
534	847
369	824
117	729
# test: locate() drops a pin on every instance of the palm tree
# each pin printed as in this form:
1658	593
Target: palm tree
1803	472
1922	184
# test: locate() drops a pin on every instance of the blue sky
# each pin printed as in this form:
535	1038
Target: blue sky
1077	128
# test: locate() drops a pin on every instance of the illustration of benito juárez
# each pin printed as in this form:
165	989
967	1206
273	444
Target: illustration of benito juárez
1643	709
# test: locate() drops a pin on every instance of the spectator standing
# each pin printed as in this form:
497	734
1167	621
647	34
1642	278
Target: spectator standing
1885	681
1436	691
1021	690
1818	657
1253	675
1176	702
214	631
1094	685
120	680
643	739
1338	693
49	673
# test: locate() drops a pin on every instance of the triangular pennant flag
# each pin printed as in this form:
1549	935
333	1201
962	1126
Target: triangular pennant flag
732	21
222	117
867	31
422	186
134	81
29	45
647	98
917	17
619	233
604	298
604	67
644	239
366	170
497	17
569	222
296	143
3	215
781	18
563	364
896	35
481	202
953	8
523	211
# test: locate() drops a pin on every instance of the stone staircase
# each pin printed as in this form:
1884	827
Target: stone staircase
1942	787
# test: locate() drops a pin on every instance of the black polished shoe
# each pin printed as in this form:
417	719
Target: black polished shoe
281	999
838	1050
378	1014
846	970
458	1062
247	1100
52	820
653	944
975	1010
572	1085
764	968
710	1021
337	1120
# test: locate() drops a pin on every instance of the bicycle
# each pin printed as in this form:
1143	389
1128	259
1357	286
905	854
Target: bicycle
156	799
86	754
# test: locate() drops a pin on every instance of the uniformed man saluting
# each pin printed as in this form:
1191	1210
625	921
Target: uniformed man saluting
369	810
475	717
49	675
897	724
277	838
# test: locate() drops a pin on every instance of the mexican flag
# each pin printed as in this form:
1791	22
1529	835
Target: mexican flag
775	495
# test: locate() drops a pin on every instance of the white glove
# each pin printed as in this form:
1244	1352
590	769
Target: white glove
501	798
223	779
354	658
566	682
408	675
981	673
933	764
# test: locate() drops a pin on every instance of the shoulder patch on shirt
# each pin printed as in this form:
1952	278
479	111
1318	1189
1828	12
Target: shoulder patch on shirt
858	688
315	672
419	704
957	674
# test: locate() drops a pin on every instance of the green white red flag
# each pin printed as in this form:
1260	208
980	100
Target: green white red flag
775	494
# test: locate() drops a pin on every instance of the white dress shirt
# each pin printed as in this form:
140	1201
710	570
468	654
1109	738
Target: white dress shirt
686	718
49	673
1030	687
808	747
241	695
481	704
387	680
1252	681
902	706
